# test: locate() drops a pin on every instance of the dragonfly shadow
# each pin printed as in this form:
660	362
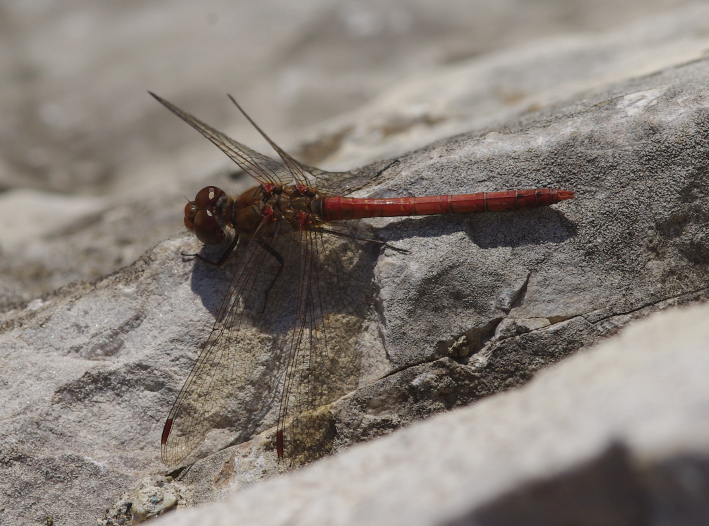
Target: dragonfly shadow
342	265
303	321
211	282
490	230
275	320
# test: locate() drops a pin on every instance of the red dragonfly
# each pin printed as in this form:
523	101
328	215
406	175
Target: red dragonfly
297	259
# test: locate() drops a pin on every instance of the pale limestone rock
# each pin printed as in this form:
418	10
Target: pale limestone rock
480	305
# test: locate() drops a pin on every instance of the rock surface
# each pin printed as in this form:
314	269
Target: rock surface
478	306
618	434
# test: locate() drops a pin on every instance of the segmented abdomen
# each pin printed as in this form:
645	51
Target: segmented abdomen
337	207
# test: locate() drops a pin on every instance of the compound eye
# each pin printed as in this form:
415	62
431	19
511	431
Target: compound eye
190	213
207	197
206	228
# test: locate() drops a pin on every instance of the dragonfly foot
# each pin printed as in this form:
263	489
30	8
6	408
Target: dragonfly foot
380	172
202	258
395	248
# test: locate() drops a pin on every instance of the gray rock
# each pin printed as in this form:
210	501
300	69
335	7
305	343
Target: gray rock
478	306
618	434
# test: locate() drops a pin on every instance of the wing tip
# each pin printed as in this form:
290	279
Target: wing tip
166	431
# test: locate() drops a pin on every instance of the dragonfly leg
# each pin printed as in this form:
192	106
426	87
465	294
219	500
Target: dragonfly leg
367	239
268	248
395	161
222	259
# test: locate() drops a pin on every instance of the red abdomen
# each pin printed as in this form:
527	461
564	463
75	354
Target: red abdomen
336	207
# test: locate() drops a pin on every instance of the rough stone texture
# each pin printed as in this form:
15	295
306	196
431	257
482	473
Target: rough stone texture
618	434
478	306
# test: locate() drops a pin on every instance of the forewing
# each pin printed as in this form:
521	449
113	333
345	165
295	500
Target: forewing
224	366
293	166
334	183
337	183
261	167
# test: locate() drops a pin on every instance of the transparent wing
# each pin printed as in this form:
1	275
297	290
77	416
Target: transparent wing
261	167
293	166
322	360
334	183
225	364
266	170
284	343
338	183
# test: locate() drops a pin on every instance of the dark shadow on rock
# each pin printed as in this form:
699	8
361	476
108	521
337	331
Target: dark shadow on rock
525	227
611	489
258	306
489	230
266	301
211	282
345	270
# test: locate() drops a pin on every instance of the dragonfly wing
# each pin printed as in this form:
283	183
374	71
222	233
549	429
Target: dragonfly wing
293	166
299	336
261	167
322	361
224	366
337	183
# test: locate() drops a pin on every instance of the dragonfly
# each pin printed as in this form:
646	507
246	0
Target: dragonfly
299	258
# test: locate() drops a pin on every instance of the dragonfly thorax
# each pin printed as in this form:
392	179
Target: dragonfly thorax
297	205
213	212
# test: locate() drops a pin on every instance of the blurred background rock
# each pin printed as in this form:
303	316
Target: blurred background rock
93	172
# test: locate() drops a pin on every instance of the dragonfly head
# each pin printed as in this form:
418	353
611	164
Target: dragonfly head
200	217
